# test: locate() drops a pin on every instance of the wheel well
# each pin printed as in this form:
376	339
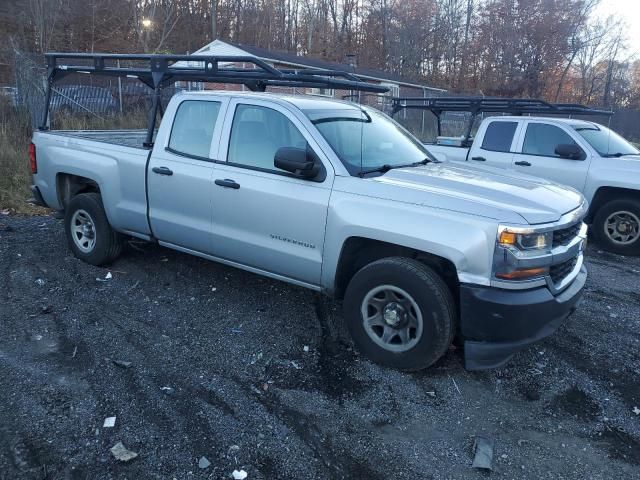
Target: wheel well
68	186
358	252
605	194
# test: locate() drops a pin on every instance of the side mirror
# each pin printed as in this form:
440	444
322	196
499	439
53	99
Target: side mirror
298	161
569	151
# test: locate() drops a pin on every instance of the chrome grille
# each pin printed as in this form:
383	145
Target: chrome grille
565	235
560	271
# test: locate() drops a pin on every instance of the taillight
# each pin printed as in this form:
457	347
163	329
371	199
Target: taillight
32	158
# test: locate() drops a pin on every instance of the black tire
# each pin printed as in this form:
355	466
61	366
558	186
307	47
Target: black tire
599	225
108	243
428	291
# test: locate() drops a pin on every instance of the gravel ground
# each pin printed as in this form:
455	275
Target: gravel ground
221	369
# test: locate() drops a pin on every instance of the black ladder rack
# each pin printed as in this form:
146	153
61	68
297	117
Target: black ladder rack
476	105
159	71
516	106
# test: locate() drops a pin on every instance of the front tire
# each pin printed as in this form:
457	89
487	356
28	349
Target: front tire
89	234
616	226
400	313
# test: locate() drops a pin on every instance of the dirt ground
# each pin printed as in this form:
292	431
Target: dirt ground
220	369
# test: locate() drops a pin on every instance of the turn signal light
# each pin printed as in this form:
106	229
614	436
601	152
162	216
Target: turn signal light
33	164
523	274
508	238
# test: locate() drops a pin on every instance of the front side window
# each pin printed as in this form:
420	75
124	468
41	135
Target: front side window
604	141
367	139
543	139
499	136
256	135
193	126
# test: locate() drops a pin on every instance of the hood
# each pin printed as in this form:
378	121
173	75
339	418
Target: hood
481	190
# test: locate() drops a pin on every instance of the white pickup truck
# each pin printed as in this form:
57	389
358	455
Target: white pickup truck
581	154
330	196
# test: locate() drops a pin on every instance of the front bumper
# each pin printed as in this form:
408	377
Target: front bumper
497	323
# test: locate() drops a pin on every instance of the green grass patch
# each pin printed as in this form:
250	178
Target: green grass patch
15	176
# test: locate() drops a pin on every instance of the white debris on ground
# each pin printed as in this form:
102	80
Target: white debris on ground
109	422
121	453
239	475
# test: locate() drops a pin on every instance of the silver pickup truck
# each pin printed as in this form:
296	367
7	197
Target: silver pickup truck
338	198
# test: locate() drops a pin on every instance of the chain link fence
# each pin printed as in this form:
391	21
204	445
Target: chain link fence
80	99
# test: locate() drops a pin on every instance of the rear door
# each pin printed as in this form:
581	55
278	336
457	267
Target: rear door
536	155
180	174
498	141
264	217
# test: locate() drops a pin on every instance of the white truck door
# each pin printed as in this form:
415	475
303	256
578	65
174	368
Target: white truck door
180	173
495	143
264	217
536	155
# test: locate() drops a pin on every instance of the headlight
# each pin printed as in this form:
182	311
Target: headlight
515	251
526	242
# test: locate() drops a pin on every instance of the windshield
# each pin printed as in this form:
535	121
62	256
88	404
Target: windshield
606	142
366	139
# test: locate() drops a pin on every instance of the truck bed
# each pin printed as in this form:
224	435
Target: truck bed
126	138
114	159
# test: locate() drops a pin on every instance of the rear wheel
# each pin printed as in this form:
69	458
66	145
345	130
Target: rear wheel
400	313
616	226
89	234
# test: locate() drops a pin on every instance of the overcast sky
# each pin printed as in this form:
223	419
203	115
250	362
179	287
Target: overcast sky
629	10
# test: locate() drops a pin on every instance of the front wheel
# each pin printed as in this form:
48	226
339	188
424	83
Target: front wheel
400	313
616	226
89	234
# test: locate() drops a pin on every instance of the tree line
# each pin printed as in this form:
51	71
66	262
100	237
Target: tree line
555	49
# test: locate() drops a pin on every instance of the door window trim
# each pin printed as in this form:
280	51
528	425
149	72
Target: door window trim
521	141
227	129
214	134
514	139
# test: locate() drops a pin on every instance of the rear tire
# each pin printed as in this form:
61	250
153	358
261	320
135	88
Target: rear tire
400	313
616	226
89	234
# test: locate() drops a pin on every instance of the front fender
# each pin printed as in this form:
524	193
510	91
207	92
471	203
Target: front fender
466	241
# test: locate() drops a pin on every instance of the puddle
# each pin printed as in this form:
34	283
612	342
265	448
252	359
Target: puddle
336	359
620	445
577	403
44	343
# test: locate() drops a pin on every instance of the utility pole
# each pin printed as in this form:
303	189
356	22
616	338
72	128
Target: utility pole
214	19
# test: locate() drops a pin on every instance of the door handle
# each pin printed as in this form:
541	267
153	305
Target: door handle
162	171
479	159
227	183
523	164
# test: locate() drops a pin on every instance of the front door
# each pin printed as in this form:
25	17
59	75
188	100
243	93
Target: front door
537	156
264	217
180	175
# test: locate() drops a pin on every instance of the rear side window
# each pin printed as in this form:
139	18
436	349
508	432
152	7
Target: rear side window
542	139
193	128
498	136
256	135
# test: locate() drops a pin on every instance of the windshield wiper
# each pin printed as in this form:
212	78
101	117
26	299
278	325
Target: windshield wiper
386	167
425	161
